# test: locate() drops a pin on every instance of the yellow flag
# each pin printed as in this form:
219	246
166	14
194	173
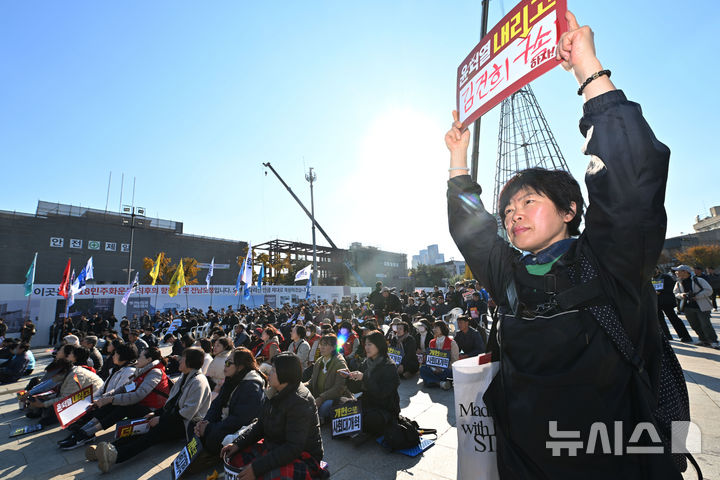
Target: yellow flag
156	269
178	280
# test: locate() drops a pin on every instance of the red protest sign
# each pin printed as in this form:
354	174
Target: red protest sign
520	48
74	406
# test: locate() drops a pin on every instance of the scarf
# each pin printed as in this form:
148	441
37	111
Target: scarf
372	363
229	386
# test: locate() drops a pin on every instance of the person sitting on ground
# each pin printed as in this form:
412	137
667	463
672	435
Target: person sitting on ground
270	347
409	365
189	398
103	415
134	337
72	378
206	346
291	444
242	339
81	356
96	359
449	352
108	353
299	346
216	371
326	384
18	365
237	405
149	337
469	340
378	380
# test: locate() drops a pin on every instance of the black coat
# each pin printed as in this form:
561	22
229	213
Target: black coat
380	387
564	367
290	425
244	406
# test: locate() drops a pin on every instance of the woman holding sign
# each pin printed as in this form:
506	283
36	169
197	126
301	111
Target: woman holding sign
378	381
441	354
577	337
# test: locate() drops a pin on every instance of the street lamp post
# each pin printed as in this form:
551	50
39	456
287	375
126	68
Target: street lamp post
132	222
311	177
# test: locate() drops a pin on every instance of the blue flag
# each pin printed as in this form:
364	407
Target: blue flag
307	287
261	275
246	292
85	274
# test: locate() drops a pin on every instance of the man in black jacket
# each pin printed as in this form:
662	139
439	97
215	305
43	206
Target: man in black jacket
468	339
666	303
391	303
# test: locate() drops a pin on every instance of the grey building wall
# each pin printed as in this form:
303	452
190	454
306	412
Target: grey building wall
23	234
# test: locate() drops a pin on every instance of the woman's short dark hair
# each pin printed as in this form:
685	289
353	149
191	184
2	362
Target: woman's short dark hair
126	352
329	340
187	341
154	353
557	185
442	326
68	349
81	355
225	342
288	368
194	358
271	331
300	330
205	344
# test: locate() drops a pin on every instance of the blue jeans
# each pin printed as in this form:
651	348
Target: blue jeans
326	409
430	378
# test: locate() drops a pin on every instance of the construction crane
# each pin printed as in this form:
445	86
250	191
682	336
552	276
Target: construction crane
310	216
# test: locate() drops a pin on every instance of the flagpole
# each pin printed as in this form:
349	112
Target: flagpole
187	304
211	295
157	289
27	308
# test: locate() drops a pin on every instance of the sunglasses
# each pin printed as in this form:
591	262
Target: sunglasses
228	363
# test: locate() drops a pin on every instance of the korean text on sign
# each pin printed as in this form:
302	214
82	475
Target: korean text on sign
346	420
520	48
438	358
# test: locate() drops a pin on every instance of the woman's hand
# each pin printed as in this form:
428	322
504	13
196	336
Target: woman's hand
457	142
154	422
357	376
229	450
101	402
576	49
200	428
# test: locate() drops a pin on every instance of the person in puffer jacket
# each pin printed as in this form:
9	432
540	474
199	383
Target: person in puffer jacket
189	398
146	391
237	405
83	431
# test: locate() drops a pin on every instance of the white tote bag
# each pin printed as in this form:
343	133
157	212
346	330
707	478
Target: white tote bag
477	444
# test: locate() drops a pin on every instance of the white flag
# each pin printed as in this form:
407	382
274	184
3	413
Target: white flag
303	274
247	273
131	289
85	274
210	272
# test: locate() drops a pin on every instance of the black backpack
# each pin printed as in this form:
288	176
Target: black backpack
404	433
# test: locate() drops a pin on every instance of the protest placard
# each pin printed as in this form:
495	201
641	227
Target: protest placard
74	406
395	354
437	358
520	48
347	419
185	457
127	428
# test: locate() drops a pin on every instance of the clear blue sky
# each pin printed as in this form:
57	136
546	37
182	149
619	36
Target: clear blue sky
191	98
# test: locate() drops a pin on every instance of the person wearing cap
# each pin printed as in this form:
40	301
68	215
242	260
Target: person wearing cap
469	340
241	338
693	293
90	342
71	340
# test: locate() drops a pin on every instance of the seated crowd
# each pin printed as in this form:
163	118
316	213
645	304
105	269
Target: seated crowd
253	385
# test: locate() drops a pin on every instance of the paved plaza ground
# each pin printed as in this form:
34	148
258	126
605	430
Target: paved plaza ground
36	456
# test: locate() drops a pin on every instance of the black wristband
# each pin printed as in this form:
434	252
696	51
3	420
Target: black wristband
591	78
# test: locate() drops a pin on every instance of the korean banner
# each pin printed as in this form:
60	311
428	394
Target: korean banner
519	49
74	406
128	428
